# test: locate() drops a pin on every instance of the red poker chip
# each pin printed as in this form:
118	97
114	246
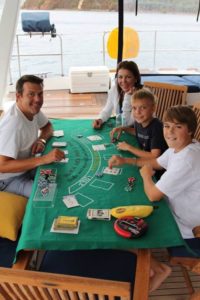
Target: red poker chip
131	179
130	227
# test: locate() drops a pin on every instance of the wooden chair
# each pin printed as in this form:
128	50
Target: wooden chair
167	95
196	108
24	284
187	262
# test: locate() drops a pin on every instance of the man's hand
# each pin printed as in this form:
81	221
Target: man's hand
54	155
115	161
97	124
37	147
147	171
123	146
115	130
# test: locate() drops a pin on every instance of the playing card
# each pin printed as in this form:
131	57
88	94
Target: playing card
59	144
58	133
94	138
64	160
98	214
98	147
113	171
70	201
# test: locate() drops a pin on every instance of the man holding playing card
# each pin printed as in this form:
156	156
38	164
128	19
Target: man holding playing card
19	141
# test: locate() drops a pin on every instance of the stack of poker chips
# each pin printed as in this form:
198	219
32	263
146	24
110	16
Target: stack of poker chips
47	176
129	187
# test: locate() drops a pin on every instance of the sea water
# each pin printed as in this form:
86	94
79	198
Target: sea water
82	42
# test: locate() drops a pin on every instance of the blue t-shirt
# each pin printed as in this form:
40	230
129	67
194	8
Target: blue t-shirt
151	136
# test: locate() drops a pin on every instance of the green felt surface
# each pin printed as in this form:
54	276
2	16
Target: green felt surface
78	177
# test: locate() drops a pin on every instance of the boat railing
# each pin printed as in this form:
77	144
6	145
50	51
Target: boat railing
155	49
19	55
76	53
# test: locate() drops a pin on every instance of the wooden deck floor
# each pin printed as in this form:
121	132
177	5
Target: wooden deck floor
68	105
62	104
174	287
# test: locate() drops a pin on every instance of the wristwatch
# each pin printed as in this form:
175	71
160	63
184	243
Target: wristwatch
43	141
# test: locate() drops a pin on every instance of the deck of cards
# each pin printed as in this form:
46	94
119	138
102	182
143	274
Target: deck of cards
98	214
65	222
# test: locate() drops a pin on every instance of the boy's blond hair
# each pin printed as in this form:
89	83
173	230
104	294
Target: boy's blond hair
144	94
182	114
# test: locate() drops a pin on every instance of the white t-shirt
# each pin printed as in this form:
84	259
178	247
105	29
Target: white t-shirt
181	184
112	105
17	135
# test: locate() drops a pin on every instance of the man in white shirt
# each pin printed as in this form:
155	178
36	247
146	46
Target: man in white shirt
19	140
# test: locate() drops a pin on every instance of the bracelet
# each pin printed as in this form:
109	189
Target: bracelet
42	141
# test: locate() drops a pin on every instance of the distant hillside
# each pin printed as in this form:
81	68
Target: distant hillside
164	6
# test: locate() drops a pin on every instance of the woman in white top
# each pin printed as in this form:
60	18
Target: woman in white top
119	96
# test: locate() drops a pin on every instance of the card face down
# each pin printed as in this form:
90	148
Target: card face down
98	214
59	144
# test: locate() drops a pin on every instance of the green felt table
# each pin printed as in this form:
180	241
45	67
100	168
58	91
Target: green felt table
78	177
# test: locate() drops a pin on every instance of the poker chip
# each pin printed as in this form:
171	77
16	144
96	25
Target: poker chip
131	179
99	174
128	188
114	140
130	185
130	227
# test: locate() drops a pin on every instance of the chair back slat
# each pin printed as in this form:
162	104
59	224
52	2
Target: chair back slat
196	108
30	285
167	95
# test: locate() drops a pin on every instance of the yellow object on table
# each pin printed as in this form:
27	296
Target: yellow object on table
63	222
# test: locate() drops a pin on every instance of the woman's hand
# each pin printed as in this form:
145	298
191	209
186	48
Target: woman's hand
131	91
97	124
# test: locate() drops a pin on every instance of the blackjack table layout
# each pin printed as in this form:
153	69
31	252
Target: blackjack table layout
84	176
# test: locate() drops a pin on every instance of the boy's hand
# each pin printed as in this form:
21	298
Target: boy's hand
115	130
115	161
123	146
147	171
97	123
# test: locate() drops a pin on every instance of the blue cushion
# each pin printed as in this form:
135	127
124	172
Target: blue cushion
36	22
104	264
194	244
7	252
192	86
193	78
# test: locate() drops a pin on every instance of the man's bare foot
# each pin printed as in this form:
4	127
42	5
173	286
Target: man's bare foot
159	272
